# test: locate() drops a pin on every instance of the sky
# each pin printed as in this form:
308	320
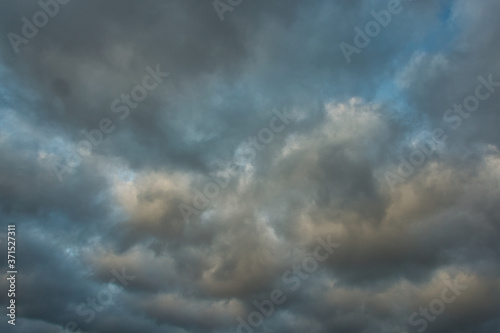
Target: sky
200	166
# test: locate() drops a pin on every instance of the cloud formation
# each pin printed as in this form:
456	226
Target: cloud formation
87	211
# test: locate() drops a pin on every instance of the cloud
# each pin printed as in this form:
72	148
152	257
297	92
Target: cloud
117	204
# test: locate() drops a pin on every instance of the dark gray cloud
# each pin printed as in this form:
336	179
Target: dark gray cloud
211	191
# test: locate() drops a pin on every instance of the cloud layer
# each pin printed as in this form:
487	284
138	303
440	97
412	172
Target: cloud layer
211	189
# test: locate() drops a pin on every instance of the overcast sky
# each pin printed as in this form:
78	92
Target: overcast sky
170	164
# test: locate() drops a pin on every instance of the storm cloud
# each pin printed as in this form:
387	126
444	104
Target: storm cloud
227	166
